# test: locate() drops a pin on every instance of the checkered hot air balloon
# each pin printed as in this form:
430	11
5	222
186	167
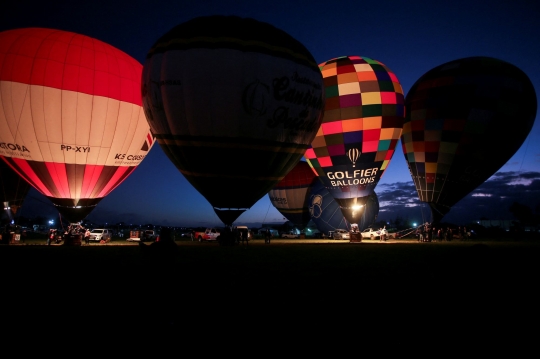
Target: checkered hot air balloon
71	117
362	123
464	120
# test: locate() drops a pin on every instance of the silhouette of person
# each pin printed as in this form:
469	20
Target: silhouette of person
267	236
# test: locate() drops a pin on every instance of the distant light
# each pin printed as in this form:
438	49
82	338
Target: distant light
414	224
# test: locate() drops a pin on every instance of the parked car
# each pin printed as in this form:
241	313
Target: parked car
147	235
370	233
99	234
289	235
341	234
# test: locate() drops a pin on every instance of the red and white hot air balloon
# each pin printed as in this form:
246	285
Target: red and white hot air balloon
71	117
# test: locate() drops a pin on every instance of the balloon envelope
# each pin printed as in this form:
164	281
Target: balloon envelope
362	122
290	196
465	119
326	213
71	118
234	103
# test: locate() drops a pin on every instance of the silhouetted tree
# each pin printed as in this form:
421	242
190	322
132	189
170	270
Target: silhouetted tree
522	213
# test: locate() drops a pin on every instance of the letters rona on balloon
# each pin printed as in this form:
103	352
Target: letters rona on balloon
14	150
358	177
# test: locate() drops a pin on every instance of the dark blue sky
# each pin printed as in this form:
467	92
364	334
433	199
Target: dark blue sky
410	37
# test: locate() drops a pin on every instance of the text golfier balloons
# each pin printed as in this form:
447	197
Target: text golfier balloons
13	190
291	195
464	120
326	213
234	103
362	123
71	118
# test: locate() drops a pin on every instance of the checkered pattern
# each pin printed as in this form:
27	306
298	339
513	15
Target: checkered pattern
464	120
363	116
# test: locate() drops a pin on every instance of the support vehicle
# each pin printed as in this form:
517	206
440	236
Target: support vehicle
209	234
147	235
290	235
341	234
99	234
370	233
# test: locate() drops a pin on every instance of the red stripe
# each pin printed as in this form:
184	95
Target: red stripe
91	176
30	174
149	137
112	183
300	176
59	177
69	61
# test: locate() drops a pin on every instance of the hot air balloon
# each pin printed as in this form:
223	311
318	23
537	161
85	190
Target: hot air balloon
71	118
291	195
13	190
362	123
464	120
234	103
326	213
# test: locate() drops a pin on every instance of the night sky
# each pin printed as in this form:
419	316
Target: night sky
410	37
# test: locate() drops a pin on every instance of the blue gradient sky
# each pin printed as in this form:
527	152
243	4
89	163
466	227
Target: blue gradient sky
410	37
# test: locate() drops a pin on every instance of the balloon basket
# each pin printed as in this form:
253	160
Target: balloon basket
355	237
73	240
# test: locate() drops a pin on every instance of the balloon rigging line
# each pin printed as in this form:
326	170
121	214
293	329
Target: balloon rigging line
39	200
264	220
525	153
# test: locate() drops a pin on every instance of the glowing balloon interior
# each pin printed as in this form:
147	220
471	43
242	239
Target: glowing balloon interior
362	123
71	117
326	213
465	119
234	103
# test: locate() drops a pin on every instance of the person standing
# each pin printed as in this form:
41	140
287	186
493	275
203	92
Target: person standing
244	234
449	234
267	236
383	234
50	237
87	236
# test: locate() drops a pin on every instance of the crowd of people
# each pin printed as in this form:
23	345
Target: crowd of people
71	232
428	233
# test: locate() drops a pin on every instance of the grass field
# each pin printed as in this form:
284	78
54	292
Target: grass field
287	281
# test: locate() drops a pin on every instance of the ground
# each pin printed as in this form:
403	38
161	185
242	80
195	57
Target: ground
304	281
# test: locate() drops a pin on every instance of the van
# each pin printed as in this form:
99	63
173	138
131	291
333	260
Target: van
243	229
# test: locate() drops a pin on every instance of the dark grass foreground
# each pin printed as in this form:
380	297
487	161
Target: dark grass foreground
294	286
